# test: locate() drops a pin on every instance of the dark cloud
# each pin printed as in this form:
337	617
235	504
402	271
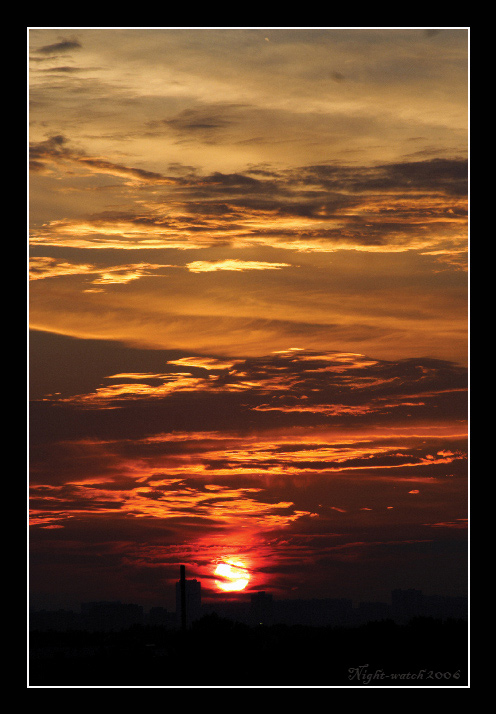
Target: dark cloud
58	147
52	147
118	168
442	175
324	192
193	120
62	70
279	391
36	166
57	47
81	365
408	205
239	181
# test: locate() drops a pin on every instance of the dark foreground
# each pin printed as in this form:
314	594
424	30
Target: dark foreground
218	653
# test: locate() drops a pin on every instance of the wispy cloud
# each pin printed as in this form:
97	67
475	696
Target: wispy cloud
57	151
205	266
44	267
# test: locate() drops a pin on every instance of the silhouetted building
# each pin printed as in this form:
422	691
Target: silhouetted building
372	612
110	616
261	610
161	617
443	607
57	620
236	611
192	601
315	613
406	598
406	604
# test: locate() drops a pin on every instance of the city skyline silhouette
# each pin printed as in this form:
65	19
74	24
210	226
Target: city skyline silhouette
141	648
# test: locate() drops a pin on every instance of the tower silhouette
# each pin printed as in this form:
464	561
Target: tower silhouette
182	585
188	599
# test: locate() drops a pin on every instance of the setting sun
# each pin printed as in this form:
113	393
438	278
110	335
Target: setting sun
234	576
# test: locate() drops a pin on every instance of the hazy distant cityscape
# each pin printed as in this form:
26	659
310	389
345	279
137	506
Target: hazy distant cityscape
255	609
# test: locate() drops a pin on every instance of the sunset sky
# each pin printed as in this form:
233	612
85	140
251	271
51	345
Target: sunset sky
248	311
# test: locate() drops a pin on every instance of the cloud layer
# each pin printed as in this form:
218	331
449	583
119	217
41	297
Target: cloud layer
248	297
286	457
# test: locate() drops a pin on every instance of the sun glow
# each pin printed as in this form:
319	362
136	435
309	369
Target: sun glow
234	575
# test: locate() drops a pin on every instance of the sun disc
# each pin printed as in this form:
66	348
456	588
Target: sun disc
234	576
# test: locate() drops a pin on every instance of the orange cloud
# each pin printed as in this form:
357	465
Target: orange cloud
205	266
44	267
